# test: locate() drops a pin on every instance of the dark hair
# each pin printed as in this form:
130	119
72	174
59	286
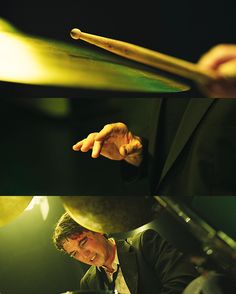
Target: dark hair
65	228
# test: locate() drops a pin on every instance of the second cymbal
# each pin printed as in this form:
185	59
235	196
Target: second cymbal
109	214
11	207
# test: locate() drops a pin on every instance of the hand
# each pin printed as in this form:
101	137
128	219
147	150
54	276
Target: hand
115	142
222	60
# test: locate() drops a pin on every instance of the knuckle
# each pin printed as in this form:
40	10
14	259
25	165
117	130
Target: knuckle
121	125
107	126
220	47
91	135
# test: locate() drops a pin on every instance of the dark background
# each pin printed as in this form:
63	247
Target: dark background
36	146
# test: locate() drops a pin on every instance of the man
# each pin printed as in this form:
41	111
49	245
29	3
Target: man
142	264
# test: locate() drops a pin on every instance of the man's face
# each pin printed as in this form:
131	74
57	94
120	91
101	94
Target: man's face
88	247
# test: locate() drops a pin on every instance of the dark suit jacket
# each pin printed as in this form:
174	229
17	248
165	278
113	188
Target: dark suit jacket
149	265
201	159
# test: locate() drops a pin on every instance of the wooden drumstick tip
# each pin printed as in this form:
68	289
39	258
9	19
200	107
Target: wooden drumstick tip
75	33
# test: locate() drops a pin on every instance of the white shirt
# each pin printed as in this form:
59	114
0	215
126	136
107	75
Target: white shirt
120	284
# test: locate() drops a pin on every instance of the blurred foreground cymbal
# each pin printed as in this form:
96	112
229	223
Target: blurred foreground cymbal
109	214
34	61
11	207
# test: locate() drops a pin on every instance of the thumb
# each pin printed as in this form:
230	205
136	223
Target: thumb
123	150
129	149
228	70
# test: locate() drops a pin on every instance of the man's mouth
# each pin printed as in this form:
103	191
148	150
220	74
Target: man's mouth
92	259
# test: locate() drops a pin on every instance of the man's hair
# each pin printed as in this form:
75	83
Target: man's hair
65	228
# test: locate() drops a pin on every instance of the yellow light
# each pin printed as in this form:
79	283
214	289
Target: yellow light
17	60
33	202
42	201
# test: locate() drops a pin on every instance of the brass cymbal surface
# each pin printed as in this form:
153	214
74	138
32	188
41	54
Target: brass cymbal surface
31	60
105	214
11	207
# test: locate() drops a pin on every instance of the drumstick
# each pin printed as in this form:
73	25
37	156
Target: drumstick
149	57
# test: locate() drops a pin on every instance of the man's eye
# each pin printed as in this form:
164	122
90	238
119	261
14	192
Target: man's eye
83	242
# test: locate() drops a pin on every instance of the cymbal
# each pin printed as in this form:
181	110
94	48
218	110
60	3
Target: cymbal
11	207
31	60
106	214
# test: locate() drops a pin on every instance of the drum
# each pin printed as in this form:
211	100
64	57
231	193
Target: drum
218	250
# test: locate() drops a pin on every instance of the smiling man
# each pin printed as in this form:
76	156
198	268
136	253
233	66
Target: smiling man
90	248
142	264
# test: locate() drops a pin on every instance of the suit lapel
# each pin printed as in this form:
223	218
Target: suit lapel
193	114
154	122
128	263
94	279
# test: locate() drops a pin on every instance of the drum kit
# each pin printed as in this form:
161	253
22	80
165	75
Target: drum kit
49	68
113	215
213	250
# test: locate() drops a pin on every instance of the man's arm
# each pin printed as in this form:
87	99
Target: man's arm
173	268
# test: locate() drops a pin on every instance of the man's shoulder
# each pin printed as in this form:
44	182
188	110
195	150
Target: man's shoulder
90	279
89	274
91	270
142	236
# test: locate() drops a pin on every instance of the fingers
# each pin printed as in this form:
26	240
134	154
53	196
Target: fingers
133	147
222	60
132	152
217	55
78	145
106	142
128	149
88	143
228	69
85	144
97	149
112	129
